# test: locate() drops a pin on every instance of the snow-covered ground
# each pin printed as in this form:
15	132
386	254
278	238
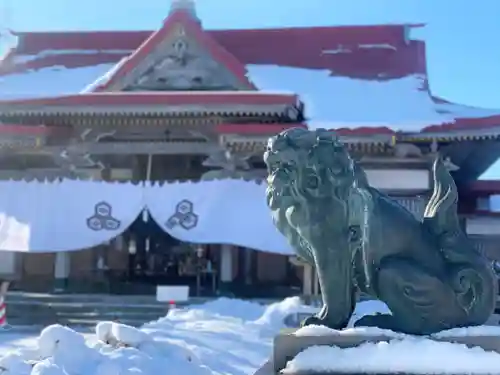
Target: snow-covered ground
220	337
225	336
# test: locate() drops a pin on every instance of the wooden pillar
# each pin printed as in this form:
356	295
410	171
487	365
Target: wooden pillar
316	287
9	264
241	265
248	266
4	288
136	168
61	271
106	174
100	258
226	264
307	281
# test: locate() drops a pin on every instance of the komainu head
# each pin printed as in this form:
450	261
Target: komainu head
307	165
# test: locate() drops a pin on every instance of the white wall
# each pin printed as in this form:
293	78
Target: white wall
399	179
494	203
483	226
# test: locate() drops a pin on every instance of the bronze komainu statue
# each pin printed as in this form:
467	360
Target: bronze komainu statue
357	238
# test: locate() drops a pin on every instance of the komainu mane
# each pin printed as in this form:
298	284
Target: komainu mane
359	239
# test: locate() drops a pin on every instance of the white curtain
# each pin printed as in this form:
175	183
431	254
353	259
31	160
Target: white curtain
66	215
59	216
220	211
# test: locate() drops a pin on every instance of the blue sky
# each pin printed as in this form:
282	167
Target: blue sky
462	36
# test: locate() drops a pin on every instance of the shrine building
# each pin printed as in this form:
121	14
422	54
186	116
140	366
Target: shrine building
130	159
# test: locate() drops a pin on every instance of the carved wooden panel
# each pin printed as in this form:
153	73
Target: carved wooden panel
180	63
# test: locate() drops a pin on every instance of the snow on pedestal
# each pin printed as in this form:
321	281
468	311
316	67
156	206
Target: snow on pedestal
367	350
408	356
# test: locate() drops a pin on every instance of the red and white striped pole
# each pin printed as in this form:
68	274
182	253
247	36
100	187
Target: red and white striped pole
3	313
4	287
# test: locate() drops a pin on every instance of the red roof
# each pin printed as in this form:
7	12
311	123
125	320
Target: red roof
15	129
485	187
158	98
374	53
262	46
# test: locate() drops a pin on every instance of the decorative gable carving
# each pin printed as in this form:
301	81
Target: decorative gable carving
180	63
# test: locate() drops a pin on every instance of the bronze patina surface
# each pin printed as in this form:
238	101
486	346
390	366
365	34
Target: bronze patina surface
359	239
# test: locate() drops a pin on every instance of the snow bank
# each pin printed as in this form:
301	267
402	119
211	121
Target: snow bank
118	349
194	340
275	313
222	307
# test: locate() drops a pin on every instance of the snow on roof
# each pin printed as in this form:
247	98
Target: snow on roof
331	101
50	82
347	102
464	111
339	102
104	79
55	52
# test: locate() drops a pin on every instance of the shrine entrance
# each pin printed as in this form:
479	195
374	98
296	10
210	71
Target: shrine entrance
157	258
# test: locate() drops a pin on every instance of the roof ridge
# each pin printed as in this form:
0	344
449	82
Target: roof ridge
63	32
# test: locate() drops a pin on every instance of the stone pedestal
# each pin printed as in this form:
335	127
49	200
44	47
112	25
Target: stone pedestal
287	346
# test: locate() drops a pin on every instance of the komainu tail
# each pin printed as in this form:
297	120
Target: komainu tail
441	212
471	274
